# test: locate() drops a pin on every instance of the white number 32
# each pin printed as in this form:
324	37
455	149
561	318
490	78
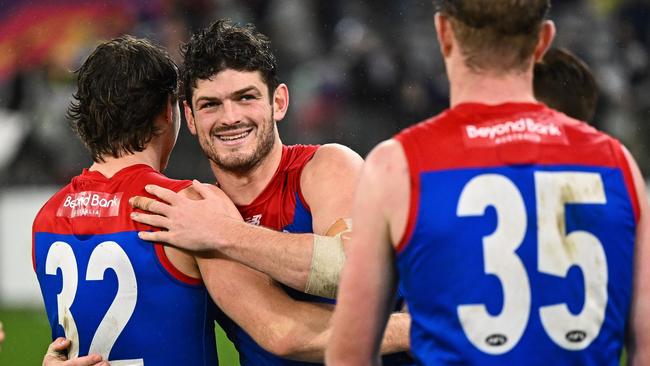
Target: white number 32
557	252
107	255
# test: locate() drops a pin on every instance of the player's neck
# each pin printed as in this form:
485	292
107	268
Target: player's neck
112	165
490	88
243	189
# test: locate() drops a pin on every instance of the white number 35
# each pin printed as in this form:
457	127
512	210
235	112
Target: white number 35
557	251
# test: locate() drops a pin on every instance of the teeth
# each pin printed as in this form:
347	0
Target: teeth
234	137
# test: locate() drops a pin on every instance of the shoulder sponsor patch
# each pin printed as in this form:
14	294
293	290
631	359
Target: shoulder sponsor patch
500	132
90	204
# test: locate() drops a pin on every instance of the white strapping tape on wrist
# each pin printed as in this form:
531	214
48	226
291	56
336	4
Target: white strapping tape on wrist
327	262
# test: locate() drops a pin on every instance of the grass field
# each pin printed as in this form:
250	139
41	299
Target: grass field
28	335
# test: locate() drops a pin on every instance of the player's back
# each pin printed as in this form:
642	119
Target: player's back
520	238
110	292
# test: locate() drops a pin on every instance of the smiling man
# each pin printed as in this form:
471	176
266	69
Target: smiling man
233	103
294	200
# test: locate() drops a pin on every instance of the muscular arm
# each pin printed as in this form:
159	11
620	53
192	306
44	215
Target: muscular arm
285	327
327	181
639	340
279	324
369	277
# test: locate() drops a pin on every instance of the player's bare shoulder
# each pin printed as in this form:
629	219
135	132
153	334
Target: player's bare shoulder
387	166
386	175
388	157
333	159
334	167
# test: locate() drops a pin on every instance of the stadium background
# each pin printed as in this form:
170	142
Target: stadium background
358	71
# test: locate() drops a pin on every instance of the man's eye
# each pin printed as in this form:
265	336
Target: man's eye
247	97
208	105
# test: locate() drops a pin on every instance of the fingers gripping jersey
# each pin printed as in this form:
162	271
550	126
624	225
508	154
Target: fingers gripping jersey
519	243
110	292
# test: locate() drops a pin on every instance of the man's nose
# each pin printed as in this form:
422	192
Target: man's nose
230	114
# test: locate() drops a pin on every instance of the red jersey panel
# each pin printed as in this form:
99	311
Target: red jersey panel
111	292
276	207
520	238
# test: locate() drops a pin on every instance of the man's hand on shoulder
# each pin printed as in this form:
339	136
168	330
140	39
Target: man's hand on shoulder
56	356
187	218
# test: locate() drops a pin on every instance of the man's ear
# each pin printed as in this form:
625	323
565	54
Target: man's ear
165	119
189	117
444	34
169	110
546	36
280	101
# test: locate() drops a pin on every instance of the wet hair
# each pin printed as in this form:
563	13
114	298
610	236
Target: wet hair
564	82
496	35
224	45
122	87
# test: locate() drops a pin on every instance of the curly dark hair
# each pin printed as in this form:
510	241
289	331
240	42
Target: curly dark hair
224	45
122	87
496	34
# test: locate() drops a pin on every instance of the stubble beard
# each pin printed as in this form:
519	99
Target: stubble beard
239	164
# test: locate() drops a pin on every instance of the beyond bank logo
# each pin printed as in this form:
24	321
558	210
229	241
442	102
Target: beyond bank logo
523	129
90	204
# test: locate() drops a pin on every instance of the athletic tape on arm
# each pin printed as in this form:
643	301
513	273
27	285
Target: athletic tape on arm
326	264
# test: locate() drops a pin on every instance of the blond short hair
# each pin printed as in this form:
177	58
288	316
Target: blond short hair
496	35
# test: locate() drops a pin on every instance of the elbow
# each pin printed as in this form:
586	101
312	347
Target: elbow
282	347
284	344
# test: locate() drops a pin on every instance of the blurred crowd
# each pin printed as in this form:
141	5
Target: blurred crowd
358	71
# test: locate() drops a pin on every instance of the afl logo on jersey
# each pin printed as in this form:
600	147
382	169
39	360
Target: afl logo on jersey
576	336
496	340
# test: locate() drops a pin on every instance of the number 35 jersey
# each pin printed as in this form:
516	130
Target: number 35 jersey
110	292
520	238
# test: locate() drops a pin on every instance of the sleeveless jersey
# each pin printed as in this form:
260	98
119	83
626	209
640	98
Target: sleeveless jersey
519	244
282	207
109	291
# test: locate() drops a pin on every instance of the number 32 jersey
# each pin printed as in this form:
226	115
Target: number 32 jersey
520	239
110	292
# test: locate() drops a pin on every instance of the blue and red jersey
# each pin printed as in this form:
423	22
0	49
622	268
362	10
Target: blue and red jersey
281	206
520	238
109	291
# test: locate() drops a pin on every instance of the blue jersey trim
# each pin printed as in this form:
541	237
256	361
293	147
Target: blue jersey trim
442	267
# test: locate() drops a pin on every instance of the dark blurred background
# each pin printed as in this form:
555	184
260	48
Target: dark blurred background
358	71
